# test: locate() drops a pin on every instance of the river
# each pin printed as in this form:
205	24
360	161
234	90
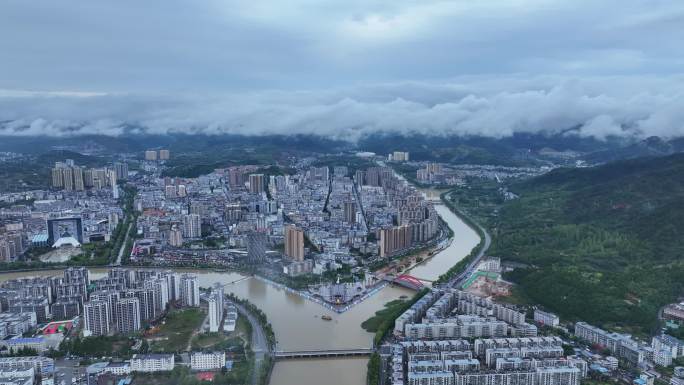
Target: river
297	323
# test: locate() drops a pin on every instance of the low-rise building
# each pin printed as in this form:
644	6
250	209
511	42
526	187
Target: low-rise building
118	368
207	360
43	365
149	363
621	345
17	377
546	318
18	343
666	348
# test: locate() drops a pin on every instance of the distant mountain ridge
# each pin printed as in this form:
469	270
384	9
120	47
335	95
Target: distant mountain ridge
516	150
652	146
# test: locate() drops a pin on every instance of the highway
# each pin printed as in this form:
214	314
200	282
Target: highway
461	277
123	246
259	342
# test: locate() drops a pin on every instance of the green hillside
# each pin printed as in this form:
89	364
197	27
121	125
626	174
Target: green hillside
602	244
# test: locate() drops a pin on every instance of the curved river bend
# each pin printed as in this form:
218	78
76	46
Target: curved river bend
297	322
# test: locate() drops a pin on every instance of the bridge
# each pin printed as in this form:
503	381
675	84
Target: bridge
406	280
283	355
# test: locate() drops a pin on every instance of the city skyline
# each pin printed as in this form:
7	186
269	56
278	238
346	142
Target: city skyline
342	192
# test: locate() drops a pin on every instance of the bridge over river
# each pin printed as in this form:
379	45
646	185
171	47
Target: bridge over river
334	353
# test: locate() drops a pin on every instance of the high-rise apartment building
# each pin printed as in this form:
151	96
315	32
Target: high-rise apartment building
394	239
189	290
399	156
68	178
121	170
79	184
96	314
256	183
57	181
175	237
112	221
160	288
182	191
111	178
73	178
256	247
350	212
164	155
128	315
215	308
192	226
111	297
235	177
79	275
88	178
147	301
150	155
170	191
294	242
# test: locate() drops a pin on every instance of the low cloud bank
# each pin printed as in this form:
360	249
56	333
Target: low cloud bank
497	107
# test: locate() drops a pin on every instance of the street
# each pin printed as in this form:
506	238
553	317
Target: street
68	369
259	341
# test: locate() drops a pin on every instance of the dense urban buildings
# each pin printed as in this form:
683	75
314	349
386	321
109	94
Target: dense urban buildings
333	230
69	177
621	345
398	156
453	337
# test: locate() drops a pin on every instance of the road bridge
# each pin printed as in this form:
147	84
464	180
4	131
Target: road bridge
332	353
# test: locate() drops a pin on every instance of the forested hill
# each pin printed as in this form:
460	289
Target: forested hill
604	244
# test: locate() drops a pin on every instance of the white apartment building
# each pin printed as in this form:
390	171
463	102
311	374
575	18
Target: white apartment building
149	363
128	315
118	368
43	365
621	345
96	314
207	361
546	318
189	290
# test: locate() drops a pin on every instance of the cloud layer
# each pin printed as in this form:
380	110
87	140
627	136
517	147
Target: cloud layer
342	68
495	107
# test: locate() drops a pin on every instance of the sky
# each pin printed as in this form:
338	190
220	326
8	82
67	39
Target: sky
342	68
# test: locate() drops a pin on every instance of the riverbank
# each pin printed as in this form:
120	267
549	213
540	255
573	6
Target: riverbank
263	340
420	255
456	273
337	309
456	267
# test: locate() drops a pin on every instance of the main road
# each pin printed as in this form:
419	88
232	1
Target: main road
123	245
259	341
462	276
